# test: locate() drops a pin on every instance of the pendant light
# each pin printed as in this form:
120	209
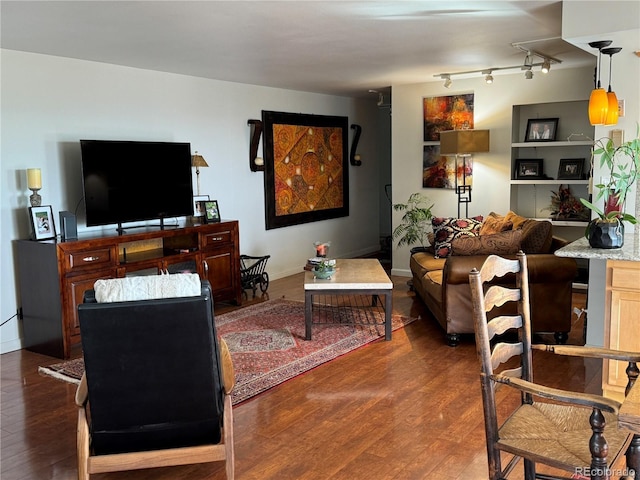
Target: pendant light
598	101
612	99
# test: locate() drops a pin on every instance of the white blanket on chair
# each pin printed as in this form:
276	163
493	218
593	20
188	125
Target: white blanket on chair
147	287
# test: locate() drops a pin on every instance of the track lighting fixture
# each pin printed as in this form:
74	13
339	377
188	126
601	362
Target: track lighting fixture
529	64
598	101
612	99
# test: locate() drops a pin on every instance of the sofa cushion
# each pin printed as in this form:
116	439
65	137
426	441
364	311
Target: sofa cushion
446	229
503	243
495	224
537	236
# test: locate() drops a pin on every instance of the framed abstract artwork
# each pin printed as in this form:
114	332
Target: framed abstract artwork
306	168
450	112
438	171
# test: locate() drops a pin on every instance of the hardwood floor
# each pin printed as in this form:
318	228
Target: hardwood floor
405	409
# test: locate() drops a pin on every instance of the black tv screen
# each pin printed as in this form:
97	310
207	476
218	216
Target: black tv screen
127	181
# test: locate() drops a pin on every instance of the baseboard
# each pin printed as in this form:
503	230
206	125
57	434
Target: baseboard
401	272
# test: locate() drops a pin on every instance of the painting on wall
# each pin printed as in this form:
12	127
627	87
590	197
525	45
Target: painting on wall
438	171
306	175
450	112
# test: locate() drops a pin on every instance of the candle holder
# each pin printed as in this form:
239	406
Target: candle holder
35	199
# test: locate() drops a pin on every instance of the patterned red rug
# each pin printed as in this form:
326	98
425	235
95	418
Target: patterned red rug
267	344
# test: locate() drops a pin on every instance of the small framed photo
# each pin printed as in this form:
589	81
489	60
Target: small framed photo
198	206
211	211
528	169
42	222
570	169
541	130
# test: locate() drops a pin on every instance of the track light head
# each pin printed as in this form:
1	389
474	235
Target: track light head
546	66
528	74
447	80
488	78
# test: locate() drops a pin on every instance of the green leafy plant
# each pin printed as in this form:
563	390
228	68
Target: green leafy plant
415	224
623	165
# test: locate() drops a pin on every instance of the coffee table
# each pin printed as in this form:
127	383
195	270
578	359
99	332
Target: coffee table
361	276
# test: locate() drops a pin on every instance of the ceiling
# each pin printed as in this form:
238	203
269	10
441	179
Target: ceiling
332	46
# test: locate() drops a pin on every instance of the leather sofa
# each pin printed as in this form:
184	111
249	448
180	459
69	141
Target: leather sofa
443	283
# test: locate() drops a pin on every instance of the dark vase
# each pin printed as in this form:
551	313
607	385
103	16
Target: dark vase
603	234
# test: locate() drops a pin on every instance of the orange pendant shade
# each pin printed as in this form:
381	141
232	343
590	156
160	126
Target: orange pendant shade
598	106
612	110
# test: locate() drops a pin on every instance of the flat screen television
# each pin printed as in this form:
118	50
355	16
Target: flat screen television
127	181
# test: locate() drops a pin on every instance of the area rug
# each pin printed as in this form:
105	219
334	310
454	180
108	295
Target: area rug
267	344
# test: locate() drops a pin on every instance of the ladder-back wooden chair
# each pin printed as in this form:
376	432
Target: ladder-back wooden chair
157	382
575	432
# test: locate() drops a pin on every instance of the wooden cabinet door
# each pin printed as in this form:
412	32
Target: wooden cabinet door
219	270
621	322
74	290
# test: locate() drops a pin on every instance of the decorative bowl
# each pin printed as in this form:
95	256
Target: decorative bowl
324	274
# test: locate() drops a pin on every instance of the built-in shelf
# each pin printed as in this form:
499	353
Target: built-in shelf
550	181
580	143
532	197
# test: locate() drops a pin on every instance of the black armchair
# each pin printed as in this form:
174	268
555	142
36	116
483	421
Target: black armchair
157	382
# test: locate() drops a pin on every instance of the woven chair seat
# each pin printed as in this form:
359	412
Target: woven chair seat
558	433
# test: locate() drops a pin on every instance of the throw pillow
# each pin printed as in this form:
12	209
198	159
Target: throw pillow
446	229
536	236
495	224
502	243
516	219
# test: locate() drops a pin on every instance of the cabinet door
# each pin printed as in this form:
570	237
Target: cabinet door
74	292
219	270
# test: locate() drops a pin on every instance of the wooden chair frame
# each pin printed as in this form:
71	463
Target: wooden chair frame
484	299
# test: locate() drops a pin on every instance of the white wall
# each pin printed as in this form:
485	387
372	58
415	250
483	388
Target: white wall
49	103
493	111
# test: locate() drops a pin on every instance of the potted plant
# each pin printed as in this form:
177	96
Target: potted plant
415	224
623	166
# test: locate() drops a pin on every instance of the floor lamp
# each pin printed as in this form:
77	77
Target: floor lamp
462	144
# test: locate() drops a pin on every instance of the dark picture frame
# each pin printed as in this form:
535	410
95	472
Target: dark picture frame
541	130
211	211
198	205
528	169
306	168
42	224
570	168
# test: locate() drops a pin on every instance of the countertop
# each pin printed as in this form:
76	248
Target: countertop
581	249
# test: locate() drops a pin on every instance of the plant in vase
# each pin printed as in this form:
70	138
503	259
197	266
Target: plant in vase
415	224
325	269
623	166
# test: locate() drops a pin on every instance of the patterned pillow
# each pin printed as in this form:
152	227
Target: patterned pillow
495	223
536	236
503	243
516	219
446	229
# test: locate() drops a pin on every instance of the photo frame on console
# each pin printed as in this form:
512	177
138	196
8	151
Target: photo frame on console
42	224
306	168
211	211
198	205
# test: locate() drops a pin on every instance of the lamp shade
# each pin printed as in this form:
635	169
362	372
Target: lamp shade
598	106
460	142
198	161
34	179
612	110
